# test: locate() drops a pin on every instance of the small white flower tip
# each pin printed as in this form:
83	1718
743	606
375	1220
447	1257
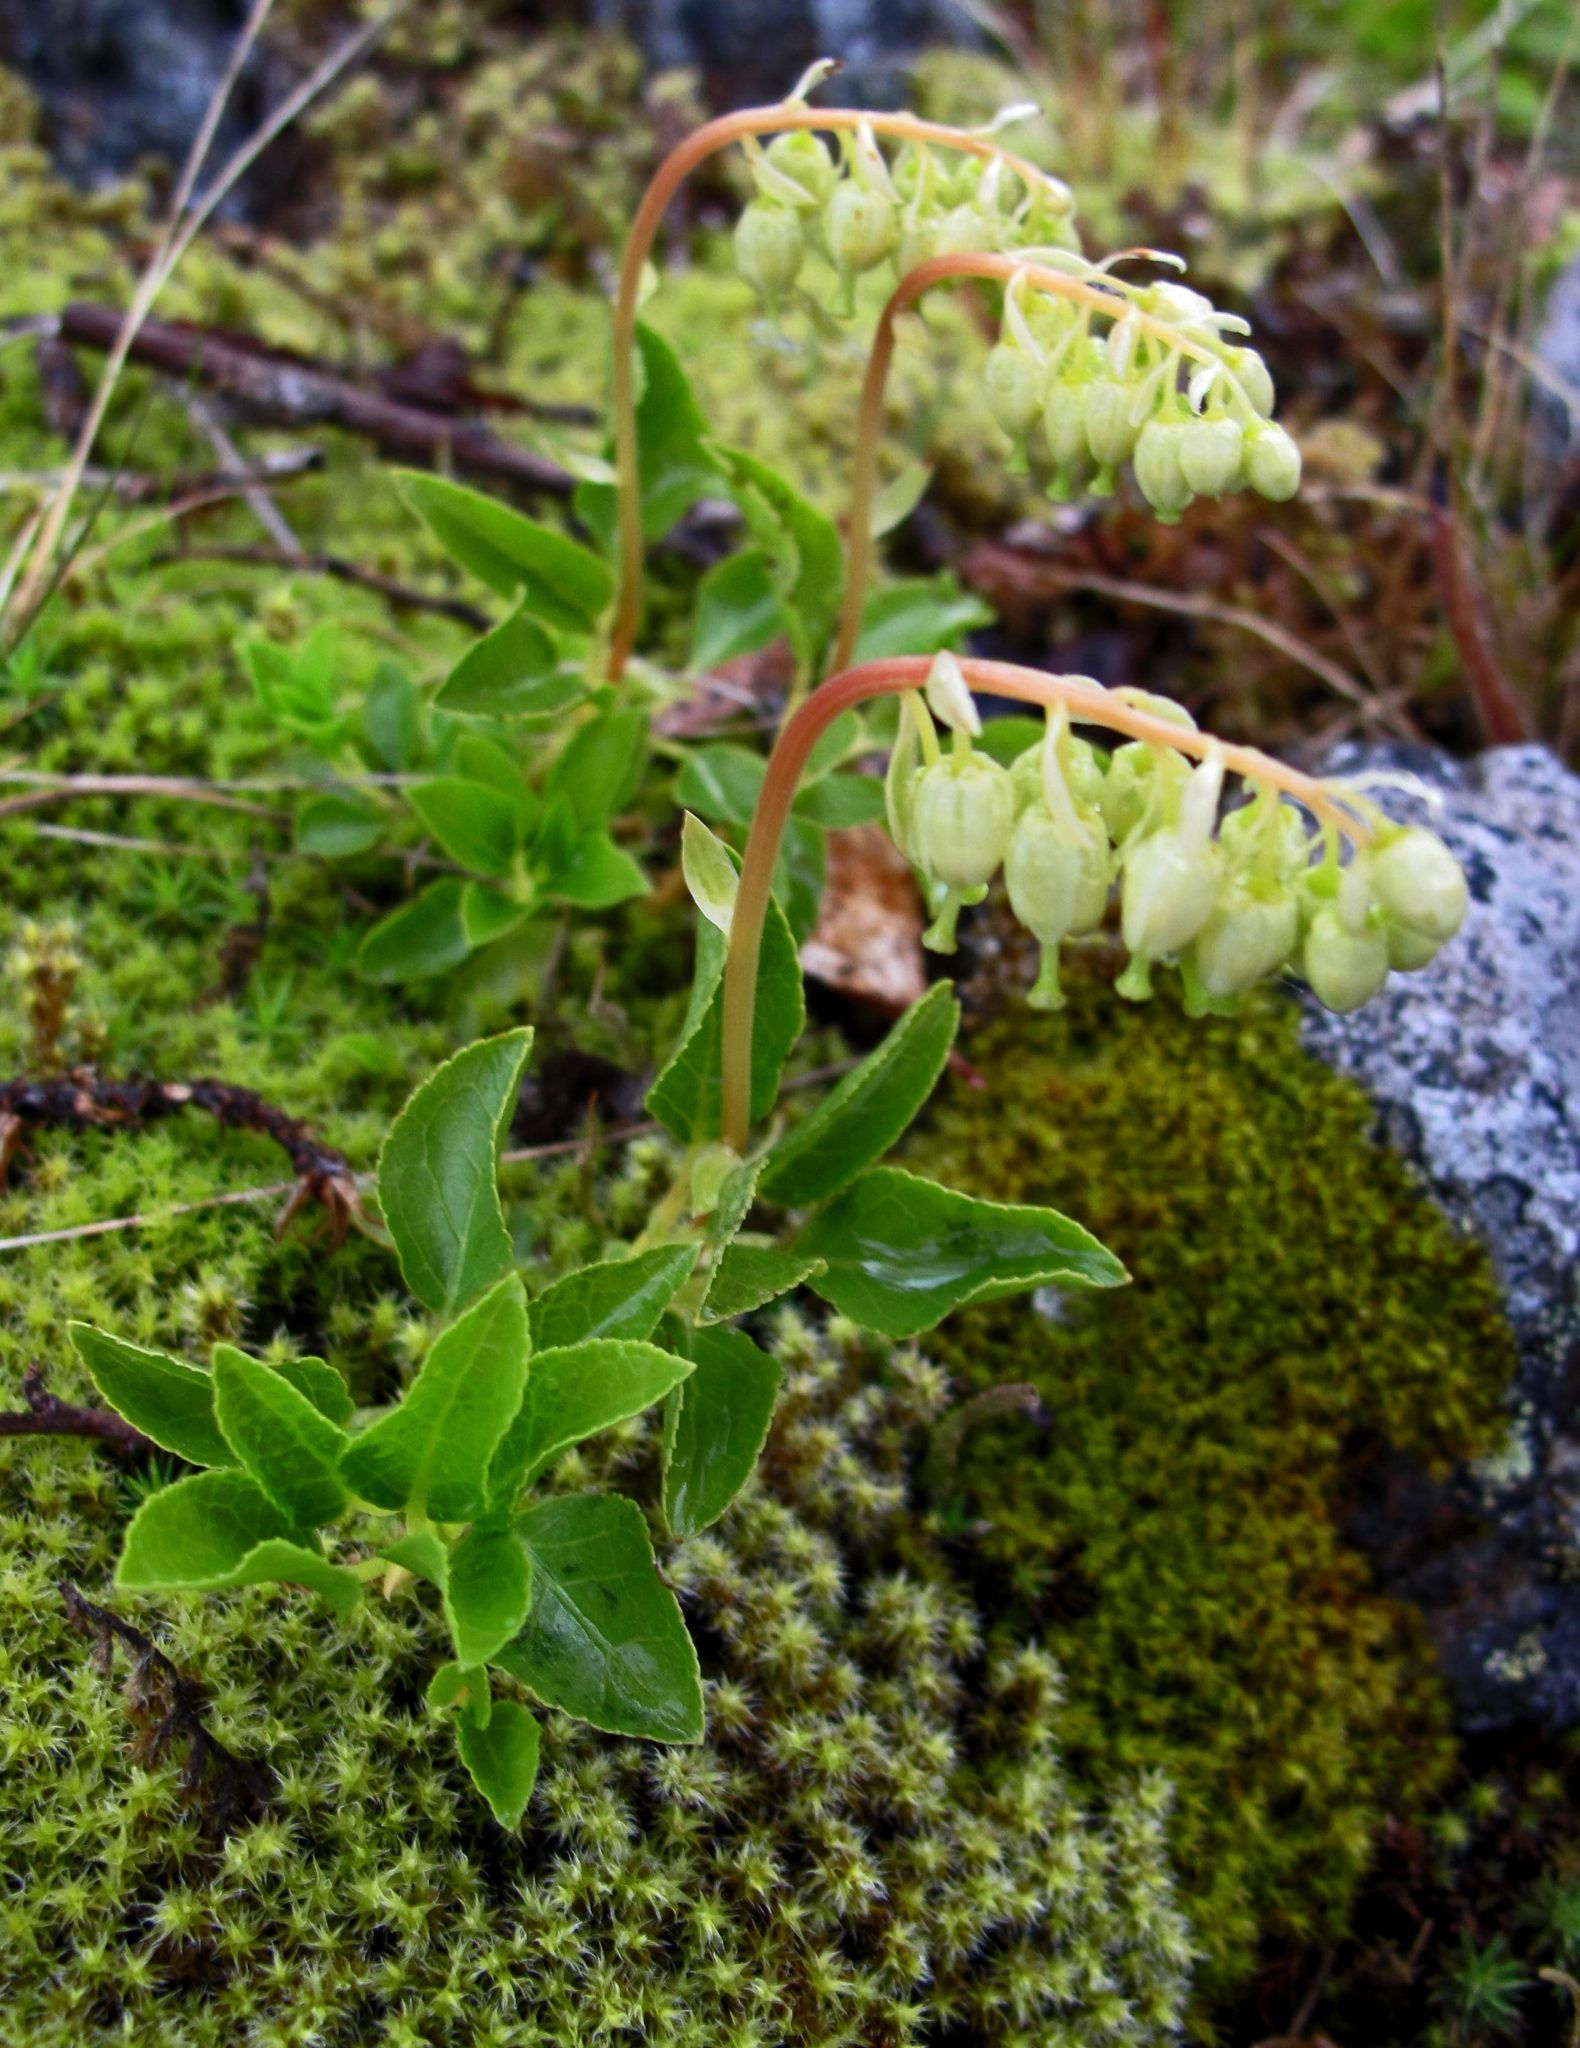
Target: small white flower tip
949	698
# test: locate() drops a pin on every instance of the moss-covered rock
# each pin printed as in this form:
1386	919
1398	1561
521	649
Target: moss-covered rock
1176	1534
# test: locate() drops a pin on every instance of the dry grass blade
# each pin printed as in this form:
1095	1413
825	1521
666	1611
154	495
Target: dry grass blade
188	218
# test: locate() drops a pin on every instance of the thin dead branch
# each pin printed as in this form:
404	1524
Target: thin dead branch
403	596
46	1415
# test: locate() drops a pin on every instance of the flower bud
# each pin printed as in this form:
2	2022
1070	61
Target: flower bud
1138	774
859	226
1159	475
1249	935
963	230
1110	432
1210	455
965	808
1272	462
1255	380
1014	389
1064	423
770	242
1057	878
804	159
1170	884
1418	883
1343	968
1409	949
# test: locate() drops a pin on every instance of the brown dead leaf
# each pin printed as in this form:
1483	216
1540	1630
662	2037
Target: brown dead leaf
867	942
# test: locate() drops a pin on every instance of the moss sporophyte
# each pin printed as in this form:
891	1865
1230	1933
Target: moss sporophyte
554	1591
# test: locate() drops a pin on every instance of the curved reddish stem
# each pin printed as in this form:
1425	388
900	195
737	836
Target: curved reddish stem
1087	704
666	182
869	420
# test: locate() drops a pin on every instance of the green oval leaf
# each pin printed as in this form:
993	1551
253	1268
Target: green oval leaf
572	1393
422	937
615	1298
736	612
750	1275
487	1592
673	463
430	1454
337	826
596	875
167	1399
436	1174
322	1385
500	1752
511	672
919	617
863	1116
722	782
600	768
604	1639
555	577
475	824
901	1252
197	1532
715	1426
280	1438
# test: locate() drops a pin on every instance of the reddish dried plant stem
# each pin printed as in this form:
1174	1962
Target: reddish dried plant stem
666	182
1086	704
935	271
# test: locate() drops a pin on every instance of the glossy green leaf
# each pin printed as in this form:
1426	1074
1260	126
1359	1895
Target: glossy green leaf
673	462
436	1175
572	1392
464	1686
423	1553
322	1385
834	745
487	1592
601	766
721	782
218	1530
798	878
430	1454
336	827
487	914
557	579
801	548
478	757
425	936
392	718
478	826
509	672
501	1757
280	1438
167	1399
732	1204
840	801
736	611
615	1298
919	617
749	1275
597	875
857	1122
686	1096
604	1639
711	879
715	1426
901	1252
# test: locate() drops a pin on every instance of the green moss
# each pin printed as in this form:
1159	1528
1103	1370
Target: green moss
1298	1309
877	1841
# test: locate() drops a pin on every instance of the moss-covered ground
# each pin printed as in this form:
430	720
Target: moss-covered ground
906	1826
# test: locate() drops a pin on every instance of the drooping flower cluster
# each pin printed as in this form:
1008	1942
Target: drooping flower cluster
1151	378
1228	903
860	209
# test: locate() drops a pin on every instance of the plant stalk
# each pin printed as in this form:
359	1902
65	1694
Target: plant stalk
869	420
666	182
1086	703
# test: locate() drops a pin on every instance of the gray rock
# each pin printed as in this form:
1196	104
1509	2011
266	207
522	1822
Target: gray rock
754	50
121	80
1475	1067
